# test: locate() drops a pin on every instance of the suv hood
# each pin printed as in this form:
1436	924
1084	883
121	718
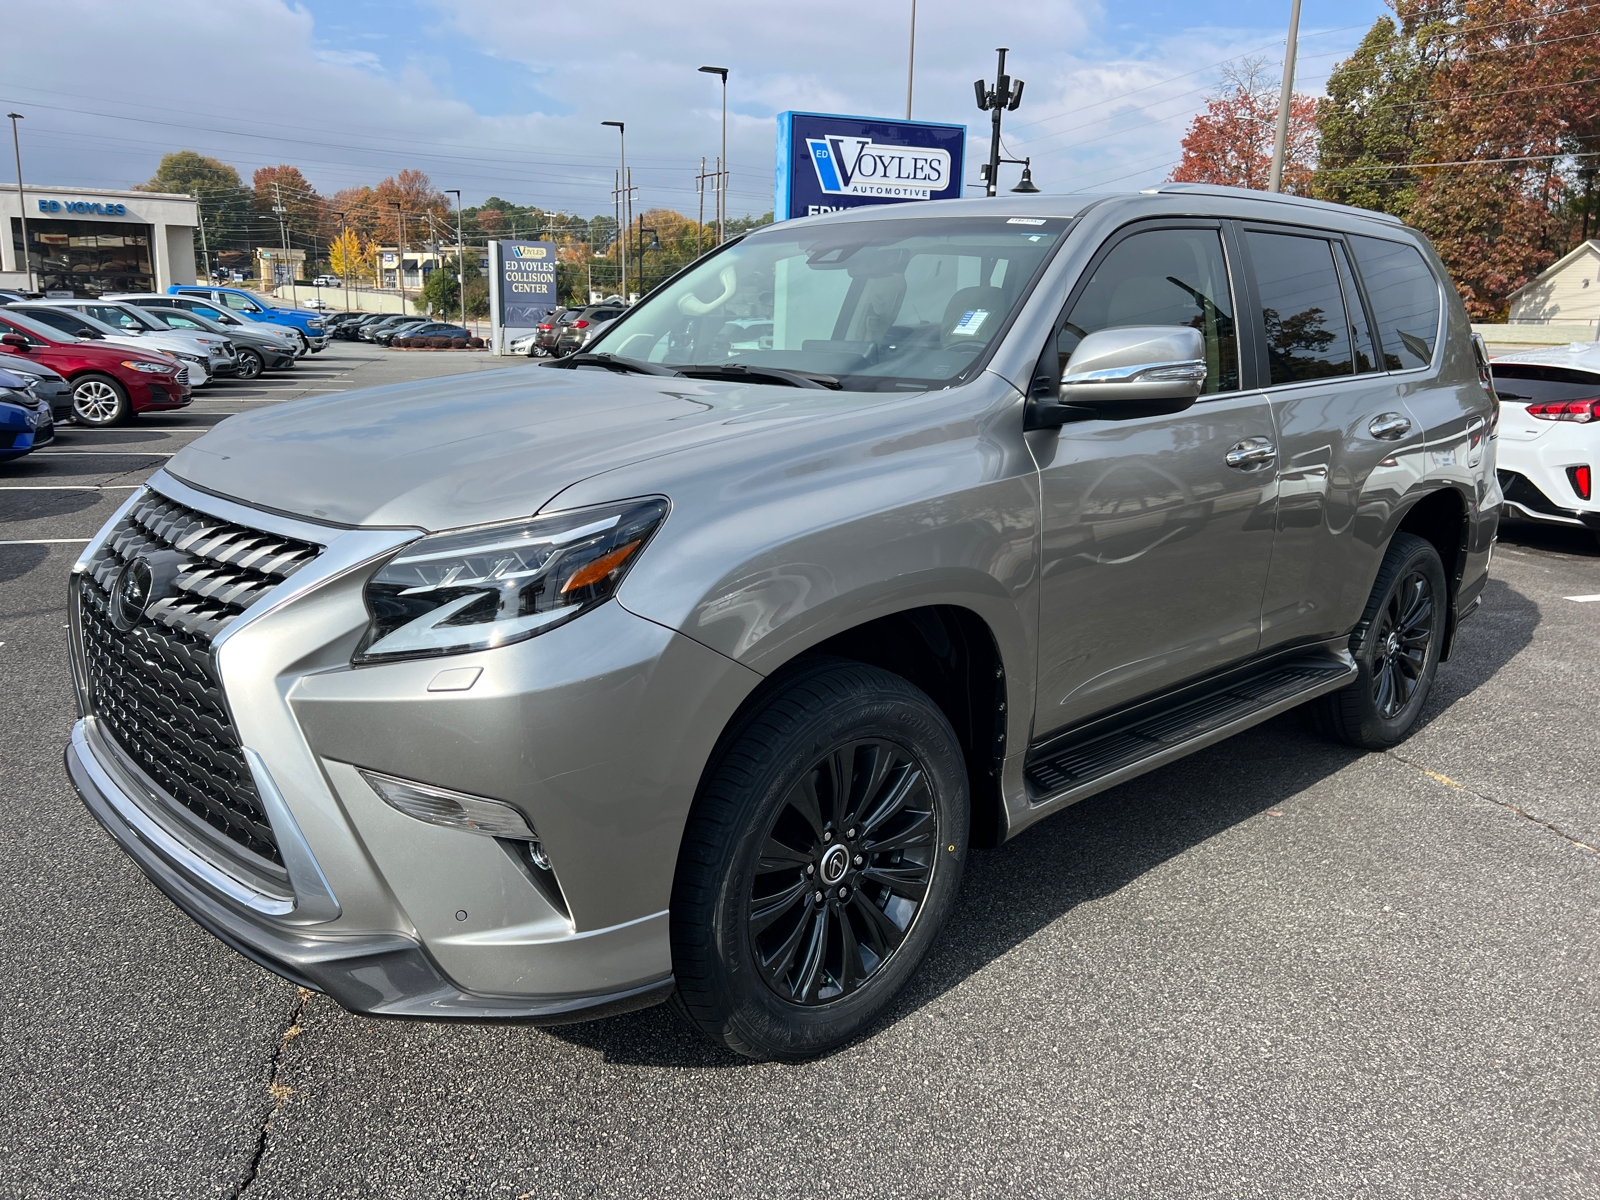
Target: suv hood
469	449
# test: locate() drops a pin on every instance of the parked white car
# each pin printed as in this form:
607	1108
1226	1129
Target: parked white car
220	355
181	346
1550	434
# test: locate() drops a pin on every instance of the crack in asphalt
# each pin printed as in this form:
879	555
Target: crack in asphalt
277	1090
1523	813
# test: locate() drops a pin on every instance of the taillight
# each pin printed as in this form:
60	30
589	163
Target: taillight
546	327
1581	411
580	324
1580	481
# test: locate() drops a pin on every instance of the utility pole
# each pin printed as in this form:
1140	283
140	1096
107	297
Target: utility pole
1004	97
622	175
1280	145
722	163
22	206
400	250
1587	175
700	189
911	58
205	251
283	229
461	257
344	259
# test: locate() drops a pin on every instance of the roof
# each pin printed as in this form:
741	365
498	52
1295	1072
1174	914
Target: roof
1592	246
1578	356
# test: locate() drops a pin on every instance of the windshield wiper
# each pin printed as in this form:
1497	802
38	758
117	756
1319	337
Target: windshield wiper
612	363
800	379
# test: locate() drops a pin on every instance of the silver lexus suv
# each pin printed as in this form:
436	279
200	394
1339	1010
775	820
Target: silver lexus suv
690	666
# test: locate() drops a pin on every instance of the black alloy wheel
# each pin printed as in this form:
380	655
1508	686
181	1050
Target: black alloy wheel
1403	635
1396	647
820	859
843	872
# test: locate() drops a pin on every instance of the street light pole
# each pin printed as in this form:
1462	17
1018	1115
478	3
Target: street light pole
344	259
911	58
22	206
622	182
1005	96
1280	146
200	217
461	257
722	183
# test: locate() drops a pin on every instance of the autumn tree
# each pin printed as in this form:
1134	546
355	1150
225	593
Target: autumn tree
350	256
225	203
1514	94
1231	143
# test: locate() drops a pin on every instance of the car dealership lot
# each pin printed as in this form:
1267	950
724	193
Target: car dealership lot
1279	967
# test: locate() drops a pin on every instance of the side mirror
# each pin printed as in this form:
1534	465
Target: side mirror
16	342
1136	371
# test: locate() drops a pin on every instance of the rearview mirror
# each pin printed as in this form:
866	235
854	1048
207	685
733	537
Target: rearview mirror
1135	371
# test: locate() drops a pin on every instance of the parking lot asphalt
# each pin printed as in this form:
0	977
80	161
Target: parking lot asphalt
1277	968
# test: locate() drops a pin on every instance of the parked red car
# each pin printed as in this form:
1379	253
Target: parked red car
109	383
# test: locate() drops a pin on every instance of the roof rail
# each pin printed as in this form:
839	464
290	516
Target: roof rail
1217	189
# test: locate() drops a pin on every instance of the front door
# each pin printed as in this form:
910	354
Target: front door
1155	548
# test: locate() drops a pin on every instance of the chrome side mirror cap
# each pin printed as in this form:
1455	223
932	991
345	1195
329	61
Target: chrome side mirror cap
1134	371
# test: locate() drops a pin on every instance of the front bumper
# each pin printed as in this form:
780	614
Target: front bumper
597	731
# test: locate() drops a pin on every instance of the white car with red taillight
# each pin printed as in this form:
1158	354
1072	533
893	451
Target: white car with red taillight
1550	434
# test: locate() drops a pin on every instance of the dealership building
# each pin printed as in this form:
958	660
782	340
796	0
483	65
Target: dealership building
85	242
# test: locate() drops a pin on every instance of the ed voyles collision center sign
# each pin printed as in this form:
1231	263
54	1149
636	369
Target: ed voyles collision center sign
527	282
831	163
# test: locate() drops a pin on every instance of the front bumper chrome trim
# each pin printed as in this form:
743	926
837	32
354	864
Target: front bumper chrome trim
87	770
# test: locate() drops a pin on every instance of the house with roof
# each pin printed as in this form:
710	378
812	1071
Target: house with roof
1567	291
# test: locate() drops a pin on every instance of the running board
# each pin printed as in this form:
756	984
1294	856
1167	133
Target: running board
1156	735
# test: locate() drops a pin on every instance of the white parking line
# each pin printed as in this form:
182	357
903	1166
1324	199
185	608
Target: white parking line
69	487
46	542
113	453
1585	599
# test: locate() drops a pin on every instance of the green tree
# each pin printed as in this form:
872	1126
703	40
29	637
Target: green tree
441	296
224	202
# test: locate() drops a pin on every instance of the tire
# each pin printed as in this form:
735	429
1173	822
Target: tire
1396	647
763	967
251	364
99	400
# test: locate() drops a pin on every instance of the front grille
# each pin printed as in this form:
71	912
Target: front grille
183	374
155	689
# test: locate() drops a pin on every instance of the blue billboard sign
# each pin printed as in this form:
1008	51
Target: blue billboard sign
829	163
527	283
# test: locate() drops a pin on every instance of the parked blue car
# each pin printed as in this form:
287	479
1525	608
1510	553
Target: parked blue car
25	419
254	307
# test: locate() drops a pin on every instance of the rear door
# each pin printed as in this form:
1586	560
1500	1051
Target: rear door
1349	445
1155	549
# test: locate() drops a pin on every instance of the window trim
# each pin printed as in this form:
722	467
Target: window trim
1047	369
1444	310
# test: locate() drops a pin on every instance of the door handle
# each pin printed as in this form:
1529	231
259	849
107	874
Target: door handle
1391	427
1252	454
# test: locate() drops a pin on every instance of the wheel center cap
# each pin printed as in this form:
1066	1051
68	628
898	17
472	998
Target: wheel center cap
834	864
1392	645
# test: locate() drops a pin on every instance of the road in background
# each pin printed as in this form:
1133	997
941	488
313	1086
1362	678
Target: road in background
1277	968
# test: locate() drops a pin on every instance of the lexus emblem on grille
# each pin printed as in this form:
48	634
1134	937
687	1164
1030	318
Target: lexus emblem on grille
130	594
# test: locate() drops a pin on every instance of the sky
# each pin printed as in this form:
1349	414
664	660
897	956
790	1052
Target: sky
505	97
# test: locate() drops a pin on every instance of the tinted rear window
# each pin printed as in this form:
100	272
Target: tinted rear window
1538	385
1302	307
1405	300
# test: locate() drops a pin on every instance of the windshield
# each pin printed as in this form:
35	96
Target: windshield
37	328
876	305
178	319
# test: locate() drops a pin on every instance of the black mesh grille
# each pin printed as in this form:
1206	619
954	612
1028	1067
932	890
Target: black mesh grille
155	688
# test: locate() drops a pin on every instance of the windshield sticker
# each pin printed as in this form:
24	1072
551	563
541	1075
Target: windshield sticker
970	323
1025	221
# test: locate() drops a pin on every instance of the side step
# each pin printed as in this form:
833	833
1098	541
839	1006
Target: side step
1156	734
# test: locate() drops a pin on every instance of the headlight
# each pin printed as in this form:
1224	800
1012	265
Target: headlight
148	368
194	358
479	588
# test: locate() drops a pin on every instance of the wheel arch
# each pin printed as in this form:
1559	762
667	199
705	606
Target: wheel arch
1442	518
947	650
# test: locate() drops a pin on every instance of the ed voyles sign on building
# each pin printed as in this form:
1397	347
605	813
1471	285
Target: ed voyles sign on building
831	163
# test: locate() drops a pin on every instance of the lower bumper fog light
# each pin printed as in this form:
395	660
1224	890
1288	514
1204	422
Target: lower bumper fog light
453	810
